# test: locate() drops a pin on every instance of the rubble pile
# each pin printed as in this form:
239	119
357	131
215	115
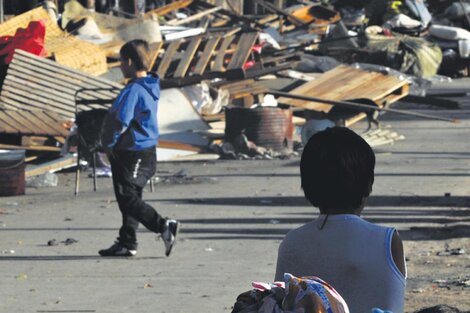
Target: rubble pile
230	71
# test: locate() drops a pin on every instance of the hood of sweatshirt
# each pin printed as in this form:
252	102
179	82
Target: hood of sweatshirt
151	83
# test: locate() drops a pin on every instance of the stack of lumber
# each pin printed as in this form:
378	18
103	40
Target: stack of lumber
34	83
62	47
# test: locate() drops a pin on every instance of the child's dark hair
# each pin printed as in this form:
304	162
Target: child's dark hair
138	51
337	170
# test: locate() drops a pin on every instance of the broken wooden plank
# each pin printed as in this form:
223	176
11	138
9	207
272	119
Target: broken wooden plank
155	51
184	63
192	18
274	9
33	83
234	16
31	123
34	148
164	10
245	44
51	166
219	60
347	83
168	58
206	56
178	146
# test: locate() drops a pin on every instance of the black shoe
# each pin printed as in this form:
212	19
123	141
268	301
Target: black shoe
117	250
170	231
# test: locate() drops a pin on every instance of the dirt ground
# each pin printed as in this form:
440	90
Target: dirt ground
234	215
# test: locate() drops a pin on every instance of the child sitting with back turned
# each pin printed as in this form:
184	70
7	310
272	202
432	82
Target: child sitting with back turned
364	262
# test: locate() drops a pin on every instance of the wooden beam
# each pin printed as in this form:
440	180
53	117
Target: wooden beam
273	8
192	18
176	5
35	148
219	60
52	166
155	51
243	51
183	66
203	61
168	58
178	146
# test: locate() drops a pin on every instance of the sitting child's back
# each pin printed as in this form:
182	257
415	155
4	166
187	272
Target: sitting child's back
362	261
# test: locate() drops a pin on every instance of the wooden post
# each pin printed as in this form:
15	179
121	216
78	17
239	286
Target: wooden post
279	4
90	4
2	15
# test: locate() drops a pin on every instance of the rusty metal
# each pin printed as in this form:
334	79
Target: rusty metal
268	127
12	173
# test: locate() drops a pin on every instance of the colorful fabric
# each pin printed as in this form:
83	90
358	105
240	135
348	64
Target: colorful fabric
294	295
312	294
29	39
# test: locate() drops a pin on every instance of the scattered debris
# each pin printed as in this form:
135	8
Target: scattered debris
182	177
67	242
448	252
44	180
222	70
52	242
461	282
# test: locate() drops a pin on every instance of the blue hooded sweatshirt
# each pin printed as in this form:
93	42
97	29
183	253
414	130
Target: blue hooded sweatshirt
131	123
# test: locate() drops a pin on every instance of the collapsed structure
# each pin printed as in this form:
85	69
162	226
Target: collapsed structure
220	70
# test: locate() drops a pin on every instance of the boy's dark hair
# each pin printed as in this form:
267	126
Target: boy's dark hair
337	170
138	51
441	308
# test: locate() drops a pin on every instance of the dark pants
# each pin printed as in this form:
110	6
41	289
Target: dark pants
131	172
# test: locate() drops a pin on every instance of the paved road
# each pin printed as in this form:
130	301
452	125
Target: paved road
234	214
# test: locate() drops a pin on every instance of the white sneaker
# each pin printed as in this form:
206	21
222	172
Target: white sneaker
170	231
117	250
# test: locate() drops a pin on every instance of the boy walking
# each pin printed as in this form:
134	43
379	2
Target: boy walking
364	262
129	137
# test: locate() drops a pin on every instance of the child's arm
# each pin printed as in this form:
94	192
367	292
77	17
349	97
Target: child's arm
398	253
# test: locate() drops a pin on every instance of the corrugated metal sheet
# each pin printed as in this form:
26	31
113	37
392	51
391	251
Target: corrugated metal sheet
34	83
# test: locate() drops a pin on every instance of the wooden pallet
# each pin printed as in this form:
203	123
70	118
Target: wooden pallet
38	123
347	83
191	60
33	83
64	48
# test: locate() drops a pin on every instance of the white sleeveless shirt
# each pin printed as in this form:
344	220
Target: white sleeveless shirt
352	255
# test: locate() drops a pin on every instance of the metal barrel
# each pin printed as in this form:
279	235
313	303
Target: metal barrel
268	127
12	172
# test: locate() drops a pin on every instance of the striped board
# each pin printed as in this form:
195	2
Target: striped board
348	83
189	60
33	83
38	123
